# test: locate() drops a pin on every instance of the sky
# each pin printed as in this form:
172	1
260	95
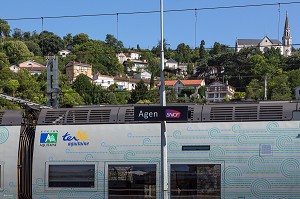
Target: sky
189	27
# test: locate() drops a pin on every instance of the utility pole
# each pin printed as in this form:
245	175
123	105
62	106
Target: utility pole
163	136
52	81
265	98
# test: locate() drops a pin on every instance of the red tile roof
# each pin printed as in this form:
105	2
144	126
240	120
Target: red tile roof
192	82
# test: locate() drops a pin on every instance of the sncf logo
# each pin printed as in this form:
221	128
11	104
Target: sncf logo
172	113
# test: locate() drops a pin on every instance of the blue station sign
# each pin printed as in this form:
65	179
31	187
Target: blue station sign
161	113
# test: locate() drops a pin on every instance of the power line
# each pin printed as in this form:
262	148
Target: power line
152	12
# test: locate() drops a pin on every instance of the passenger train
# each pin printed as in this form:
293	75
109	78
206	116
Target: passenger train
232	151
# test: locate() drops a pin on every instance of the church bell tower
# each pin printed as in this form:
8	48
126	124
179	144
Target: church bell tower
287	39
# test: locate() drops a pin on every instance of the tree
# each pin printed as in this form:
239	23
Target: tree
101	56
4	28
17	51
218	49
202	52
183	53
17	34
80	38
34	47
114	43
11	86
68	39
3	60
50	43
255	90
139	93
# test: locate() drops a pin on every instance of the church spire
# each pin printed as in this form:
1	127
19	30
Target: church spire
287	30
287	39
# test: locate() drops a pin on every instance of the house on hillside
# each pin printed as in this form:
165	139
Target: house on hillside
125	83
218	91
142	75
103	80
64	53
30	65
73	69
135	65
179	85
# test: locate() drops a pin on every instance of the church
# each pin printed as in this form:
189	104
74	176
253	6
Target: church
266	43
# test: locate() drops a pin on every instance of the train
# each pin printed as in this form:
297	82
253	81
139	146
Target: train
223	150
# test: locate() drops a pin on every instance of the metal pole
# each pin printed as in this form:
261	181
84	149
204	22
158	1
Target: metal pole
265	97
164	162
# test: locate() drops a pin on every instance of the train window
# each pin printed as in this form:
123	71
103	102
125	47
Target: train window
195	181
78	176
131	181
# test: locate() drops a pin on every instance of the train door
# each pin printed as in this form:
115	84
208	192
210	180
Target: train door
195	180
131	180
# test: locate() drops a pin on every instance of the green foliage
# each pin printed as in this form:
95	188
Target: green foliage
239	95
79	39
139	93
114	43
34	47
4	28
11	86
187	92
17	52
50	43
255	90
183	53
3	61
102	57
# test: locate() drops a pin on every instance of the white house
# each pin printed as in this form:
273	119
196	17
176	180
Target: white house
103	80
179	85
14	68
135	65
128	84
218	91
64	53
30	65
171	64
142	75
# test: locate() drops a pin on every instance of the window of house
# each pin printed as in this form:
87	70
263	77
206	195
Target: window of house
71	176
132	181
195	181
299	92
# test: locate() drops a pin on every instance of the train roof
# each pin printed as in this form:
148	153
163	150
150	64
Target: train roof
11	117
219	112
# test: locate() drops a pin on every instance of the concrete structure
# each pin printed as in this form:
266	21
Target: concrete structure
218	91
297	92
73	69
266	43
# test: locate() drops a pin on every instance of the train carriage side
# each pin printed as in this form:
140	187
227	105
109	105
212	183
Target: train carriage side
10	128
222	151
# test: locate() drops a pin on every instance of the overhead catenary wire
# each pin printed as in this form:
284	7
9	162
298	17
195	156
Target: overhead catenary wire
153	11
